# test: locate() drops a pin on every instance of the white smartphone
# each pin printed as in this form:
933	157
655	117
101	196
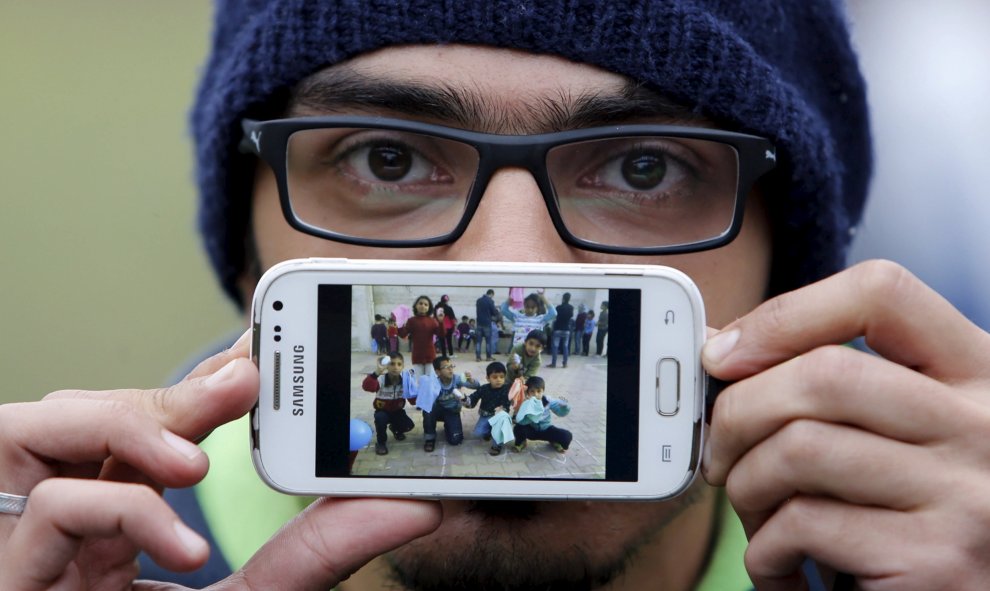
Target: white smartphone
625	425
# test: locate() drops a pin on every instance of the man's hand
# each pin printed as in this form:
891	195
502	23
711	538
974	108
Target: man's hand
878	466
94	463
330	540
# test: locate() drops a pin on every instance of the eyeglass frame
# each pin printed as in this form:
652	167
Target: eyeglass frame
269	140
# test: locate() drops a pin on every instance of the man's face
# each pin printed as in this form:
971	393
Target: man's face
497	380
560	541
533	347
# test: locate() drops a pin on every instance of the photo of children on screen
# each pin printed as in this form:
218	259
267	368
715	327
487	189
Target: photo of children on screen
524	358
484	408
422	328
536	313
390	384
446	408
533	419
494	399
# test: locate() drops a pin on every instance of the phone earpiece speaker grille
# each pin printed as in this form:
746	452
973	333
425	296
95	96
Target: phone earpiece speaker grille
277	385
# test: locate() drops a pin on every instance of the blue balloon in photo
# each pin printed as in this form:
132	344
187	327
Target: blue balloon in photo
360	434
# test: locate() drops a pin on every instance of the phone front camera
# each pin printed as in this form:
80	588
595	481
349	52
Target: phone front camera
277	305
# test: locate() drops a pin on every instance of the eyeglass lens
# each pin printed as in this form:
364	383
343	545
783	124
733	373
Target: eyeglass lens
644	191
621	191
379	183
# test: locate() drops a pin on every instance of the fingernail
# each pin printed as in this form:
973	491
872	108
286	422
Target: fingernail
221	374
191	540
719	346
706	455
242	339
187	448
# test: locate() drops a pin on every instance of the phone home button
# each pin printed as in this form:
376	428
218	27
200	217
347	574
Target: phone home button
668	386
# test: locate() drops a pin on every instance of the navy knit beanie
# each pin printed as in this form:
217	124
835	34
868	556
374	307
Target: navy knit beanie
781	69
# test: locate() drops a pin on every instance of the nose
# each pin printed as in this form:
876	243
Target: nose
512	223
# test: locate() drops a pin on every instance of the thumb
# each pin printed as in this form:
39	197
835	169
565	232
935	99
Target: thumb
210	365
331	539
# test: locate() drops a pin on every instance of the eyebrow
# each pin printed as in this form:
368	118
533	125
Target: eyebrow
345	90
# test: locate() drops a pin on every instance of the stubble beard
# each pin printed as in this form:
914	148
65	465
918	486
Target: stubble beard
494	546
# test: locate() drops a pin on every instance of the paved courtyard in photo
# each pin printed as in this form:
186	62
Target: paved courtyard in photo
584	459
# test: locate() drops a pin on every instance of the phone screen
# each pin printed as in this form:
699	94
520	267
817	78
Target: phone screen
583	424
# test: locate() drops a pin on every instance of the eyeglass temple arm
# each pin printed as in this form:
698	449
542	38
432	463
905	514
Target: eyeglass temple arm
251	140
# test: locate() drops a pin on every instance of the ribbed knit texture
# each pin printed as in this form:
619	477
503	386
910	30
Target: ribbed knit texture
780	69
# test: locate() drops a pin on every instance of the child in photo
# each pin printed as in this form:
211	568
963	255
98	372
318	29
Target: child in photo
524	358
497	332
494	399
578	333
589	327
388	384
533	420
421	328
537	312
448	322
392	330
447	406
379	334
440	344
464	335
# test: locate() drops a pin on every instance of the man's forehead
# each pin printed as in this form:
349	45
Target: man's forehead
498	91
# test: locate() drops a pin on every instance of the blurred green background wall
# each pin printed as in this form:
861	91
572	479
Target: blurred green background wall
104	284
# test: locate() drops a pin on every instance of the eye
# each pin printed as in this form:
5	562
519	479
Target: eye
392	162
644	170
389	162
639	169
632	167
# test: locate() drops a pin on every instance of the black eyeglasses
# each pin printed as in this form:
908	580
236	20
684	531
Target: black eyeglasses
627	189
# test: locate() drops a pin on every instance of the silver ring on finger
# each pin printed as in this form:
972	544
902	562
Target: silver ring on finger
12	504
